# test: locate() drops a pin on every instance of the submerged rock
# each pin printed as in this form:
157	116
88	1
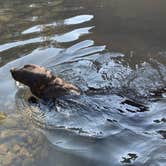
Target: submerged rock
2	116
21	147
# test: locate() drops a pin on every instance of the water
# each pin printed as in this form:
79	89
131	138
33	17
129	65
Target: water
112	49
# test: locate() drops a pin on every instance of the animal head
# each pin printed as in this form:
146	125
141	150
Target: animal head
31	75
42	82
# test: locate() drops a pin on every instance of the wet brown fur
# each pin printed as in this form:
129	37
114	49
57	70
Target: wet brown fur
42	82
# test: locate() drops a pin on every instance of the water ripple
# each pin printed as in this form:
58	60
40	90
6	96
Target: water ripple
66	37
70	21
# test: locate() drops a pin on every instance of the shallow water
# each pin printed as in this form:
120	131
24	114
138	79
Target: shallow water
112	49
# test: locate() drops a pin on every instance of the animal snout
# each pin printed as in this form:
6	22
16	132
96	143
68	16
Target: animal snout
12	70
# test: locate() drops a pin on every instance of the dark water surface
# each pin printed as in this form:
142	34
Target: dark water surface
113	49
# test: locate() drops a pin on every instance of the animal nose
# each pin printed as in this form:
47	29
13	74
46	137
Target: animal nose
12	70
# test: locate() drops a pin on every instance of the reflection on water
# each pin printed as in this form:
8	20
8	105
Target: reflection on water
70	21
114	50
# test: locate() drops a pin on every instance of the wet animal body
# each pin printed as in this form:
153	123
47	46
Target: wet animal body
48	87
42	82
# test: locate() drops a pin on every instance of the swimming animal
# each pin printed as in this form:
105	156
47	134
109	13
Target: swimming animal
42	82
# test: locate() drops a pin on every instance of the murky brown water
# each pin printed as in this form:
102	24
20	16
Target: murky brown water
118	46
